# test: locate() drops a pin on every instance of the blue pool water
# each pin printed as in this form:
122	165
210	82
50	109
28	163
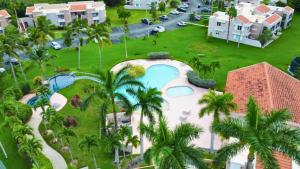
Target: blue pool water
179	91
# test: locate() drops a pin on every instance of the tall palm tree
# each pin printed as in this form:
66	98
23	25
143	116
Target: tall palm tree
173	148
87	144
261	134
99	34
20	131
111	88
149	100
217	104
47	116
66	134
41	55
76	29
126	31
132	140
31	147
232	13
42	102
9	44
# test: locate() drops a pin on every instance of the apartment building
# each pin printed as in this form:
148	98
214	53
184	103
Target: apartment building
140	4
4	20
64	13
250	22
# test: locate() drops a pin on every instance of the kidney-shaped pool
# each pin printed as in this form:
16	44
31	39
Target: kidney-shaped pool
178	91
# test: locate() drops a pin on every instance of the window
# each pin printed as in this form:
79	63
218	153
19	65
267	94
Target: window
95	14
1	31
273	28
96	21
218	23
62	23
239	27
26	24
278	24
60	16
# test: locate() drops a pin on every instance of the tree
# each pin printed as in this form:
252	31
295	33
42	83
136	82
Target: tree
124	132
88	143
173	148
75	30
261	134
47	116
99	34
66	134
110	89
297	74
41	55
9	44
162	7
217	104
31	147
148	100
123	14
20	131
203	68
294	4
40	34
153	11
265	36
42	102
126	31
232	13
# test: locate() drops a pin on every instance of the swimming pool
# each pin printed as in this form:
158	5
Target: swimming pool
179	91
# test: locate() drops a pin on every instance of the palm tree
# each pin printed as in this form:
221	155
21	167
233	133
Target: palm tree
87	144
124	132
217	104
132	140
232	13
40	34
42	91
41	55
148	100
42	102
47	116
56	120
261	134
66	133
126	31
110	89
76	29
172	148
9	44
31	147
99	34
20	131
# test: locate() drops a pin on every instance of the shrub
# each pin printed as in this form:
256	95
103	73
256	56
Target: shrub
25	87
194	79
38	80
174	3
14	92
158	55
75	101
43	161
13	108
136	71
70	121
61	69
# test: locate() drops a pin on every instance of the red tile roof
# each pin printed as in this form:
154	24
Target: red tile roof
263	8
29	10
271	87
283	161
244	19
273	18
4	13
289	9
78	7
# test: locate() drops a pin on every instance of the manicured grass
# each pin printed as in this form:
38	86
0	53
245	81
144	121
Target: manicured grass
58	34
136	16
14	158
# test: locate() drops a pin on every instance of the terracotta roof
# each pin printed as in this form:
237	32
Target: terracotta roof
263	8
78	7
289	9
271	87
4	13
29	10
283	161
244	19
273	18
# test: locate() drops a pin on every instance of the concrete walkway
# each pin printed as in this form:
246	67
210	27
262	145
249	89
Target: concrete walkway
57	101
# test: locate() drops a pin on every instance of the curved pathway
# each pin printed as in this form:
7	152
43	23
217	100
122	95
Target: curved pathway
57	101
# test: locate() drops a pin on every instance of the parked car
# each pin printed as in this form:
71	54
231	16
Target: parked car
153	32
206	9
55	45
159	28
198	17
146	21
181	9
2	70
199	5
174	12
163	17
181	23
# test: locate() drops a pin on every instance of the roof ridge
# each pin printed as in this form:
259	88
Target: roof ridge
265	64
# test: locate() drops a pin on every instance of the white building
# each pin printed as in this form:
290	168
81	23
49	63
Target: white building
140	4
4	20
250	22
64	13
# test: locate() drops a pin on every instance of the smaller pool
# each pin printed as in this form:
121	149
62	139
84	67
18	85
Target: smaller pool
178	91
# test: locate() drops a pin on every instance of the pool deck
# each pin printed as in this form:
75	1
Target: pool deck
176	106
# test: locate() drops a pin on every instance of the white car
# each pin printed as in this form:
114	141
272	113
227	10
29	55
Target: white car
174	12
181	23
159	29
55	45
2	70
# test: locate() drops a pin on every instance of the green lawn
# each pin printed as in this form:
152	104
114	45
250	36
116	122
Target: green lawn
14	161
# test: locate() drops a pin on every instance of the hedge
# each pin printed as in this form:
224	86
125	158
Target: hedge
158	55
194	79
